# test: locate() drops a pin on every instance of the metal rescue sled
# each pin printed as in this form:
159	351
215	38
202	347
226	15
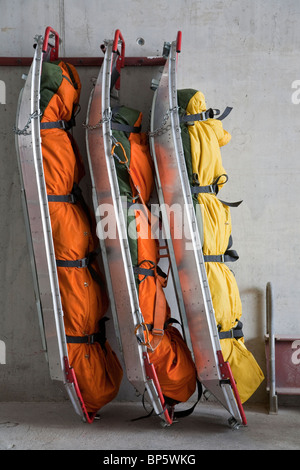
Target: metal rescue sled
115	250
38	225
174	190
69	289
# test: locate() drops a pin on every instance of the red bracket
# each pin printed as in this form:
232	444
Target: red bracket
71	378
118	35
53	49
226	374
178	41
121	58
151	374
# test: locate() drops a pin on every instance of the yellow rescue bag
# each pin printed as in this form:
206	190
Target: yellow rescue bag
202	140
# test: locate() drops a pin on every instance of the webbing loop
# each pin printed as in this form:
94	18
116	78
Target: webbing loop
212	188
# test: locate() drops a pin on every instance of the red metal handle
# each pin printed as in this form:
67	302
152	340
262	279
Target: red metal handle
55	48
226	373
151	373
178	41
121	60
71	378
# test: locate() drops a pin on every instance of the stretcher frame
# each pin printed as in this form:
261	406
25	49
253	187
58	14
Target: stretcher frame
188	266
121	284
38	226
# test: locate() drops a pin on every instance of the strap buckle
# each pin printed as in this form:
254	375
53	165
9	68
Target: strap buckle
83	263
90	339
157	331
72	198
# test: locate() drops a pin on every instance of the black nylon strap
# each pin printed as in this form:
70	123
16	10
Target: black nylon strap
225	113
143	271
203	189
231	204
208	114
70	198
235	332
148	271
78	263
75	85
116	126
83	263
228	256
184	413
53	125
76	195
99	337
212	188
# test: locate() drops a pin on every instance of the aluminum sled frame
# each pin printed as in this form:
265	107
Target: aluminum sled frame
187	263
38	226
116	254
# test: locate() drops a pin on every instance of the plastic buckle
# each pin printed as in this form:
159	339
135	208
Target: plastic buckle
90	339
72	199
83	263
222	258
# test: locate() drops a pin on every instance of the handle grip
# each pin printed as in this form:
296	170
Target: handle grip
55	48
121	60
178	41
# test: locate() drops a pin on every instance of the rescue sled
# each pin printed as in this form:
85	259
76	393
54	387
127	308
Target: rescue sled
36	201
174	192
106	155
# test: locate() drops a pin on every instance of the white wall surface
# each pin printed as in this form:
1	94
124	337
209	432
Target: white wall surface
244	54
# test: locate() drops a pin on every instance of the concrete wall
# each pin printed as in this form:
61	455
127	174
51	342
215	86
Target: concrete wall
243	54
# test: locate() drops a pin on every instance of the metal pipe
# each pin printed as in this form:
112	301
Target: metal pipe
271	333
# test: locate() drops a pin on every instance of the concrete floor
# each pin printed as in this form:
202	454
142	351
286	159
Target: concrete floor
55	426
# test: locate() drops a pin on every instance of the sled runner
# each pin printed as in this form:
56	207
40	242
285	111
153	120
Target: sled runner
184	229
58	279
122	176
